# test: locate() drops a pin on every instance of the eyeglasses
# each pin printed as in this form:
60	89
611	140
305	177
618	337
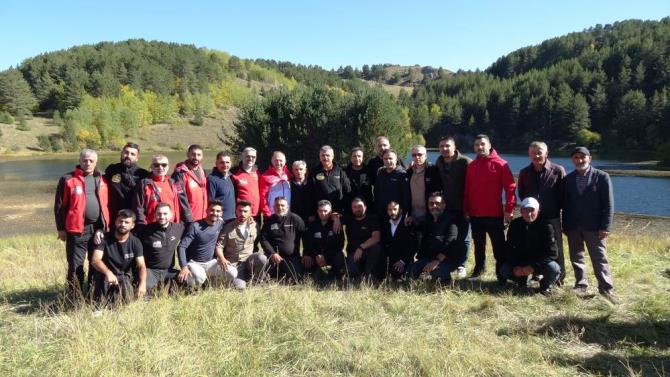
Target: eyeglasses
251	156
159	165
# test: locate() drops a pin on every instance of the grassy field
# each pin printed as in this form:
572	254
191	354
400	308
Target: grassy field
472	328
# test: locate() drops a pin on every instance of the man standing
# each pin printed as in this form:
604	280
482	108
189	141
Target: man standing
191	176
245	178
330	182
364	253
452	166
391	184
531	248
302	201
122	178
323	247
399	242
159	188
114	260
220	185
159	242
437	256
543	180
199	258
486	178
358	174
382	144
274	182
587	218
423	180
82	216
280	240
236	244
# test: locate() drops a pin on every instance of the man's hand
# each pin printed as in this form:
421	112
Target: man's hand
141	290
97	237
358	254
409	220
62	235
399	266
111	279
224	264
276	258
184	274
307	261
320	260
337	225
602	234
508	217
431	266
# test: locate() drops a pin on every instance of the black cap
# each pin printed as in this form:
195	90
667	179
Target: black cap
581	150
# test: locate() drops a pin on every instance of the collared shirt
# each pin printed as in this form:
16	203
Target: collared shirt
394	226
583	180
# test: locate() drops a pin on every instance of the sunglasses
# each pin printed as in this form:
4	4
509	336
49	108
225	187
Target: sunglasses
159	165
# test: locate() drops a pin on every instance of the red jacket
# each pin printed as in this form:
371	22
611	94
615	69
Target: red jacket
246	187
195	187
153	190
273	185
485	179
70	203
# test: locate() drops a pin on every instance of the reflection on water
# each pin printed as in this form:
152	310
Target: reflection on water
650	196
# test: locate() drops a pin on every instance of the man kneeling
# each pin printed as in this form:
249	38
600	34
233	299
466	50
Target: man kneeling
236	244
531	248
113	261
198	257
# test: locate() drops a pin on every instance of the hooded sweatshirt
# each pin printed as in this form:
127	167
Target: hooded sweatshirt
485	180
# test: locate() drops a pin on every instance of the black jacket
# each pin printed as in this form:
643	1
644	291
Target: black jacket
361	184
438	238
302	200
333	186
400	246
393	186
531	244
321	240
591	210
122	180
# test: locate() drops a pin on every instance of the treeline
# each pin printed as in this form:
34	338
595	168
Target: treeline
606	86
300	121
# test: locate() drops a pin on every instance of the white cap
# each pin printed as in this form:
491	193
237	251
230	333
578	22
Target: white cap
530	202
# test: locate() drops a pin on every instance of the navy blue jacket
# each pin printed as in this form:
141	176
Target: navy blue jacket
594	208
221	187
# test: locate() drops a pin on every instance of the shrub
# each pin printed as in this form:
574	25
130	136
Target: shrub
6	117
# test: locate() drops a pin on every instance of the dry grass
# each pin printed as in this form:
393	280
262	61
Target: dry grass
472	328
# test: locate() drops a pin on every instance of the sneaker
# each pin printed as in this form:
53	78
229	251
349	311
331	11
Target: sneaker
610	296
546	291
239	284
461	272
580	289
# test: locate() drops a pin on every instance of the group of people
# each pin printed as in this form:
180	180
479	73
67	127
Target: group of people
141	229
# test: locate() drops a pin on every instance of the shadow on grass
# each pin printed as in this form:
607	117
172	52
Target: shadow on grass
610	335
608	364
47	300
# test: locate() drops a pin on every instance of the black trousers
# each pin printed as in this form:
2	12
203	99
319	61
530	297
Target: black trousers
78	247
107	295
290	268
495	228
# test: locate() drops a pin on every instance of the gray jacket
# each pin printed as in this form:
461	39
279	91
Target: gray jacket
594	208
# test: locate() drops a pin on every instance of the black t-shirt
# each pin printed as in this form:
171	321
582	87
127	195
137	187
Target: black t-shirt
359	231
160	244
92	211
119	257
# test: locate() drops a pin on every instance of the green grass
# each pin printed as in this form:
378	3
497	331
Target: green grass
472	328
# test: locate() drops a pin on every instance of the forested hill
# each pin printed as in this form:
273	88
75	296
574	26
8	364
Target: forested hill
605	86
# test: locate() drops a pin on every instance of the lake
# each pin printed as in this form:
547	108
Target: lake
640	195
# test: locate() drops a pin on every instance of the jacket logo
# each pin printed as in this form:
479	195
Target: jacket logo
157	244
320	177
317	235
244	182
173	238
78	190
274	227
116	178
193	184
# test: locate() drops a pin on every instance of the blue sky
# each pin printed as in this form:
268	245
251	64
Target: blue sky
451	34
